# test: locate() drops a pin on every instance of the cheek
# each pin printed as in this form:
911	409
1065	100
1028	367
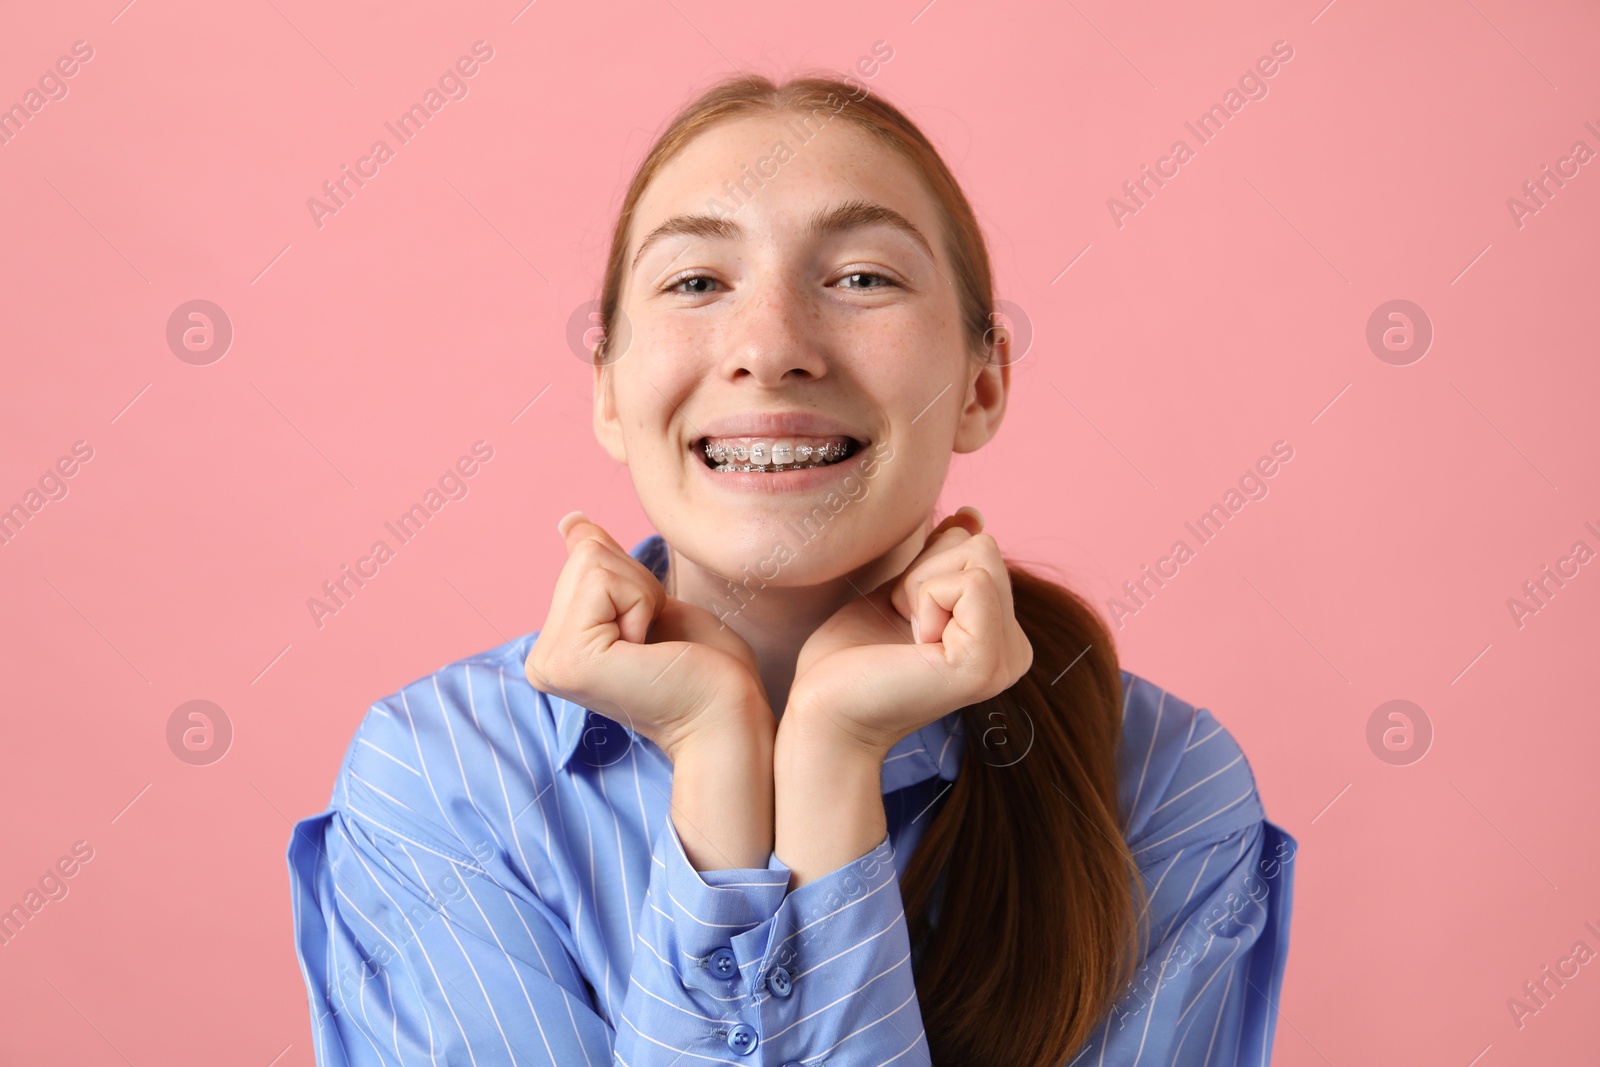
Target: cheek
887	359
909	372
653	384
919	341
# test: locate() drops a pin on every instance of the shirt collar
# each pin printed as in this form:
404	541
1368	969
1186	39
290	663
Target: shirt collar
934	750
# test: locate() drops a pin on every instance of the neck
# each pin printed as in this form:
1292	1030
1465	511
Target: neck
775	620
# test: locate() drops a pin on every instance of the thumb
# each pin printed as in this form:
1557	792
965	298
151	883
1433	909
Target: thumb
575	528
965	516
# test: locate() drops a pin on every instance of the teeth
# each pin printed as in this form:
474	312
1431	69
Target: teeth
774	454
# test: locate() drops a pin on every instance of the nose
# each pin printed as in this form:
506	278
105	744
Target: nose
773	338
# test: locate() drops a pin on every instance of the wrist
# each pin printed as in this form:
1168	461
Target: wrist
828	799
804	733
722	793
823	761
723	728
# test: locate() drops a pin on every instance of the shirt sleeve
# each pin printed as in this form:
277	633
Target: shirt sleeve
412	953
1207	989
741	972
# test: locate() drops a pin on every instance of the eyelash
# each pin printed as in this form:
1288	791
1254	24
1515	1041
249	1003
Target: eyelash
888	282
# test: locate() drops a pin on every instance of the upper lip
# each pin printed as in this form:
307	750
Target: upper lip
777	424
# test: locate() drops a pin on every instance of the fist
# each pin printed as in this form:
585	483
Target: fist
940	636
616	643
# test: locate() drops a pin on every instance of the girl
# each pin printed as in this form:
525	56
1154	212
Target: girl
805	777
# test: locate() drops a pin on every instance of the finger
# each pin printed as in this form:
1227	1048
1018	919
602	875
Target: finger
976	553
602	596
577	530
976	630
974	657
966	516
950	532
575	527
964	523
563	523
589	546
594	653
956	542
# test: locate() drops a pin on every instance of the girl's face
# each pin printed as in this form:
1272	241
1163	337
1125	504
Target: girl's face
822	290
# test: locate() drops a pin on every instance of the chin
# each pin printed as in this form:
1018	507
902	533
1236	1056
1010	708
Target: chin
776	552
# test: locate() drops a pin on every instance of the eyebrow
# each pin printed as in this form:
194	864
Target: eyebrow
851	215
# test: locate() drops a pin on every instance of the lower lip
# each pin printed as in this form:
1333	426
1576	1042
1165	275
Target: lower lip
790	481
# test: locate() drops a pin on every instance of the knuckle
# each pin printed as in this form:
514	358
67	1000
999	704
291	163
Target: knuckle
596	575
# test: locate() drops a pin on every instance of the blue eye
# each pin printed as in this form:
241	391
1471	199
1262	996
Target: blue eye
673	288
867	274
676	286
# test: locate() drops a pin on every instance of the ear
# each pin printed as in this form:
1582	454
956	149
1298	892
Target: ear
985	404
607	427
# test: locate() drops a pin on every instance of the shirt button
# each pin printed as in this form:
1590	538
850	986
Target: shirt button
723	963
742	1039
779	982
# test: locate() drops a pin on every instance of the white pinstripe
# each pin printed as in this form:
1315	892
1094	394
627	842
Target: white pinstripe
1155	732
470	966
1186	791
1177	796
380	932
1240	799
515	973
381	752
381	793
420	948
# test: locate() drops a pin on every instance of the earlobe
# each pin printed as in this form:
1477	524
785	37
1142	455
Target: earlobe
985	403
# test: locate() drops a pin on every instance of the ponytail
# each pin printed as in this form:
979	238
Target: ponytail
1025	865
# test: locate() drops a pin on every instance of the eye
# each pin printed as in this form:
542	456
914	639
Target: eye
673	286
859	274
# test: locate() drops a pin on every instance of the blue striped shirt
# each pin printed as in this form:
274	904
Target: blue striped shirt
571	927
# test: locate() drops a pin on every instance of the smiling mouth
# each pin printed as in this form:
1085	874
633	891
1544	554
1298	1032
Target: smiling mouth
774	454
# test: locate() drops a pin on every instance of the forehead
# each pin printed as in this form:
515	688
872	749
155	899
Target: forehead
766	171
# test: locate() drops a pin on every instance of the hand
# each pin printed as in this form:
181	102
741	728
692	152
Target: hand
864	676
616	643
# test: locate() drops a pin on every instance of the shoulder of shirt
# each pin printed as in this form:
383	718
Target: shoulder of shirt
1183	779
412	752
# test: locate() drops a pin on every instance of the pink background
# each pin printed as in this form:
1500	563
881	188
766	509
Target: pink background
1228	313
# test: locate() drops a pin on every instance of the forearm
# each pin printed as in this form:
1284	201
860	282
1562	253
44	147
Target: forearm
828	798
731	956
722	791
